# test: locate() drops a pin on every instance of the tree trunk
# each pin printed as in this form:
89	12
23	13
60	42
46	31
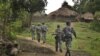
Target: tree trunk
30	19
4	29
27	22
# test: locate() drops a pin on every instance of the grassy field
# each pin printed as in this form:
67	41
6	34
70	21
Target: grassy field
87	39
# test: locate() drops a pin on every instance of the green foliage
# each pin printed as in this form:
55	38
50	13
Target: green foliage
95	25
88	6
29	5
97	15
16	26
14	14
34	5
12	36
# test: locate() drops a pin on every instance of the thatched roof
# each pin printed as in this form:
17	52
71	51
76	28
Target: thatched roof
88	15
65	11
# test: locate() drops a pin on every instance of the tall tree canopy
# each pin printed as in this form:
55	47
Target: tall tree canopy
87	5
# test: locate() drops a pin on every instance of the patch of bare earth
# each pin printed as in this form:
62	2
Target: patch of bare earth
33	48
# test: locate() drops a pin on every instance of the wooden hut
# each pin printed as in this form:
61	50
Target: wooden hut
87	17
66	12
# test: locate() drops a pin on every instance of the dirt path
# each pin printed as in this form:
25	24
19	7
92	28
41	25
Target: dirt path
33	48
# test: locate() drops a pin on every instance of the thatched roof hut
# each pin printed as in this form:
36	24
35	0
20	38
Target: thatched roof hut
87	16
65	11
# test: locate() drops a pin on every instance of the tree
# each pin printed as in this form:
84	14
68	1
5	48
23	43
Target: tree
92	6
10	10
33	6
87	5
4	17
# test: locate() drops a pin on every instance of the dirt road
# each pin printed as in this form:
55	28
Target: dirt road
33	48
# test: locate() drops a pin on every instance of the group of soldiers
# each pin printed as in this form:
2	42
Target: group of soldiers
40	30
61	35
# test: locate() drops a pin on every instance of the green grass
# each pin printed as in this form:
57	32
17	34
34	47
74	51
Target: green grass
87	39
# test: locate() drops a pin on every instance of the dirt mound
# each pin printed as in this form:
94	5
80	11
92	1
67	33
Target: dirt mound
32	48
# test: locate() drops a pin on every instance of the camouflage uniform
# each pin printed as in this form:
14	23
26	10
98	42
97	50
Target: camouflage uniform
58	38
68	31
44	31
33	31
38	31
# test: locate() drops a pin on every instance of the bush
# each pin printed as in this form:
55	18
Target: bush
97	15
16	26
12	36
95	25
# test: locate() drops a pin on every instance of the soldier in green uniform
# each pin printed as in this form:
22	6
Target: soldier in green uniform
38	32
44	30
33	28
58	39
68	31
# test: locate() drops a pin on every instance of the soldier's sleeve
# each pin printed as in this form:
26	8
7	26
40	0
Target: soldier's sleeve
74	33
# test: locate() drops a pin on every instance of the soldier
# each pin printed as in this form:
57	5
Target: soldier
33	31
44	30
58	37
38	31
68	31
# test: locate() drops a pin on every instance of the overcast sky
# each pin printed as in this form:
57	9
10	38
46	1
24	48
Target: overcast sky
55	4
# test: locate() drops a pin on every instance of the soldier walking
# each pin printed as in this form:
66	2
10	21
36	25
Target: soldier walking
58	38
44	30
68	31
38	32
33	28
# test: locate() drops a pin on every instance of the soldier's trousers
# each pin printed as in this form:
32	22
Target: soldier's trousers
58	44
44	37
38	36
68	43
68	46
33	35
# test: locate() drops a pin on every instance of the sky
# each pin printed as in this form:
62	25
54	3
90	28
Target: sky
56	4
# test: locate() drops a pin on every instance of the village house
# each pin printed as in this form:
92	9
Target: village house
87	17
64	13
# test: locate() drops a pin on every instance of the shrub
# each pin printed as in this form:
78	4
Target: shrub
95	25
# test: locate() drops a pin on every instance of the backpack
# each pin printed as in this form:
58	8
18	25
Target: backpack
67	33
38	29
44	28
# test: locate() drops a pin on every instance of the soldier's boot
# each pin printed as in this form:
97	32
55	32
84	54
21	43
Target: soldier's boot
60	50
56	47
38	40
68	51
44	42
